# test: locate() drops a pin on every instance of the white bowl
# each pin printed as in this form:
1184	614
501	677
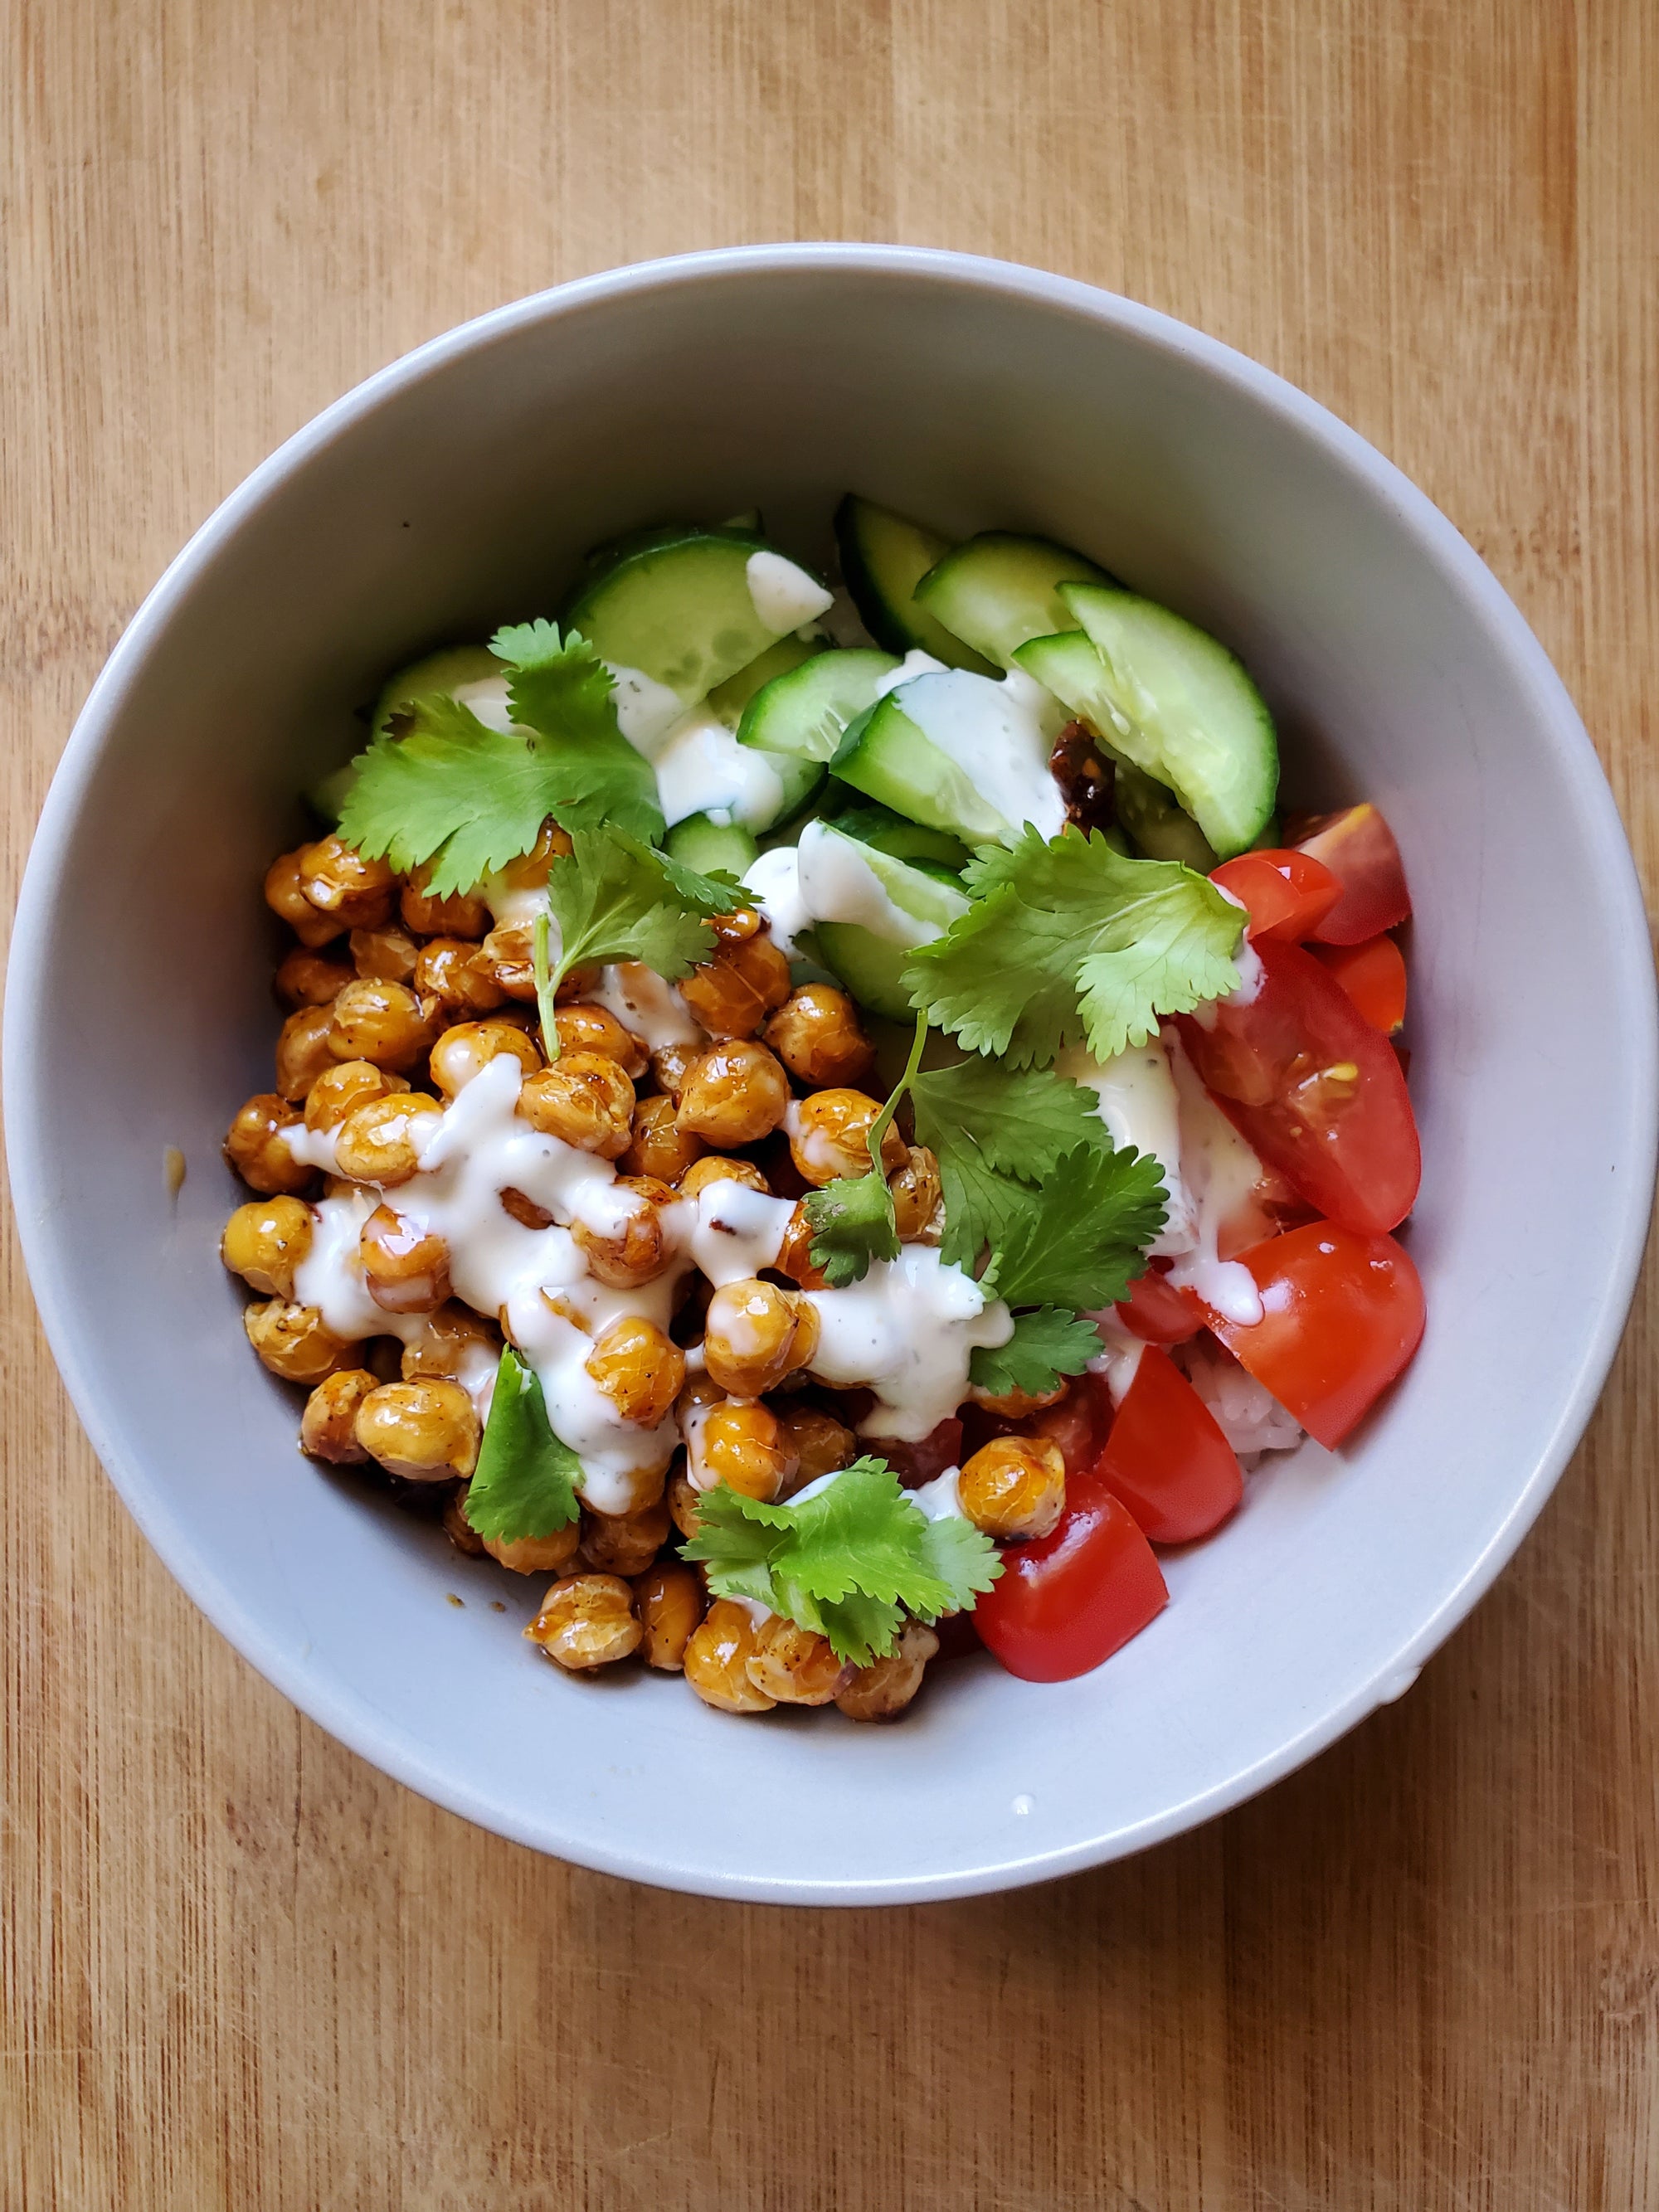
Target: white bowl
455	490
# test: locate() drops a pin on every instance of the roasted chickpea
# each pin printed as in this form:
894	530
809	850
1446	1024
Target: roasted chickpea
345	1085
307	979
387	953
1015	1405
1014	1486
638	1248
625	1543
741	1443
638	1367
458	977
328	1427
817	1035
406	1266
302	1050
755	1335
381	1142
537	1555
736	1094
339	881
264	1242
525	1210
460	1052
795	1253
682	1499
294	1342
669	1601
459	1529
508	956
794	1665
285	898
916	1194
821	1445
671	1063
586	1621
462	914
703	1173
254	1145
386	1023
596	1028
449	1340
657	1147
426	1431
881	1691
530	872
732	993
828	1136
716	1660
585	1099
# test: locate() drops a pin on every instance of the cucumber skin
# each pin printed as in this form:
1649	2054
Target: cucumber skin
886	602
1155	825
905	840
1001	583
731	700
873	758
434	675
869	967
793	705
708	845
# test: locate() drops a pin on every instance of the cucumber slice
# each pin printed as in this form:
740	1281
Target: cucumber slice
689	613
1196	710
1156	823
805	710
999	589
730	700
435	677
705	844
903	906
883	556
878	826
871	968
959	753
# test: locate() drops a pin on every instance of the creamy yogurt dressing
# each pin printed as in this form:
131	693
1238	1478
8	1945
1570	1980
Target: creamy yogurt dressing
703	769
1000	735
774	878
1139	1103
908	1331
643	1002
1220	1171
785	597
825	877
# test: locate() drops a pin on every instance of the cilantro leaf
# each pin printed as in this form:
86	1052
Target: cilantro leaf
558	688
1045	1345
615	899
852	1223
847	1562
1068	938
524	1484
1078	1239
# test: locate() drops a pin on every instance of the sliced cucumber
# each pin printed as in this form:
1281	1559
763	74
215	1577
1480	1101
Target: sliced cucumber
705	844
435	677
1148	813
805	709
802	780
883	556
887	832
1203	727
899	907
999	589
691	611
959	753
730	700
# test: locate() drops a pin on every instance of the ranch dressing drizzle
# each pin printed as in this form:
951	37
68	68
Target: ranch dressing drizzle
1000	734
1139	1103
908	1331
1221	1171
784	595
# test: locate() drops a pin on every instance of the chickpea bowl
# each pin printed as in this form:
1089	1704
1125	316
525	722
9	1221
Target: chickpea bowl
459	490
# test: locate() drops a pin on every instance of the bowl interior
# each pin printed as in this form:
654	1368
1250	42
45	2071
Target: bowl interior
456	493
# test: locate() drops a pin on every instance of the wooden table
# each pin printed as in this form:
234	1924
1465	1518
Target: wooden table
242	1969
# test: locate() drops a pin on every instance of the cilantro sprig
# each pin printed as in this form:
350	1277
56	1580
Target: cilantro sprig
848	1562
525	1483
853	1219
1046	1344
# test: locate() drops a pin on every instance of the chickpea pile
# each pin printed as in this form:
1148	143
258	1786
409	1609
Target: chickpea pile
394	999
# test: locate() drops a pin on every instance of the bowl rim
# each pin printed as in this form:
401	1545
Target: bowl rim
351	1719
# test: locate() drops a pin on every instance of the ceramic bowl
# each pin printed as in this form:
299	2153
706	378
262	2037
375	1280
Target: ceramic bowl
456	489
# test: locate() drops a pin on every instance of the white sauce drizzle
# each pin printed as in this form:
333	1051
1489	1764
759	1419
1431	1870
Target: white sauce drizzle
1000	735
1220	1171
703	769
774	879
941	1498
642	1002
1139	1103
784	595
908	1331
826	877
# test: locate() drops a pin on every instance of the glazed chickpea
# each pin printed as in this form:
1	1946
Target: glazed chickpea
457	975
345	1085
386	1023
1014	1486
525	1210
381	1142
817	1035
657	1147
702	1175
639	1247
755	1334
732	993
586	1621
794	1666
294	1342
387	954
537	1555
916	1194
742	1443
449	1339
736	1094
328	1427
795	1253
459	1529
307	979
285	899
461	915
530	872
460	1052
881	1691
625	1543
426	1431
671	1063
669	1601
596	1028
1015	1405
639	1368
507	956
264	1242
682	1501
302	1050
254	1145
405	1266
584	1099
821	1445
716	1658
340	882
828	1135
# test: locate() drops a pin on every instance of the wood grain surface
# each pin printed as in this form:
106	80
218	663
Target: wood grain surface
242	1969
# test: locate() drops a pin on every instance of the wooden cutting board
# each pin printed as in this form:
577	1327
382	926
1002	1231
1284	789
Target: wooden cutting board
242	1969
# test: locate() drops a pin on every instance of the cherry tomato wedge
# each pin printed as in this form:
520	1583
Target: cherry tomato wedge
1065	1602
1343	1316
1166	1458
1374	976
1358	847
1286	894
1317	1090
1157	1313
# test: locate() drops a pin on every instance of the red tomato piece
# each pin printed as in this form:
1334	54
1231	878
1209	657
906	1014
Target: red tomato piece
1374	976
1314	1089
1157	1313
1065	1602
1286	893
1166	1457
1358	847
1343	1316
